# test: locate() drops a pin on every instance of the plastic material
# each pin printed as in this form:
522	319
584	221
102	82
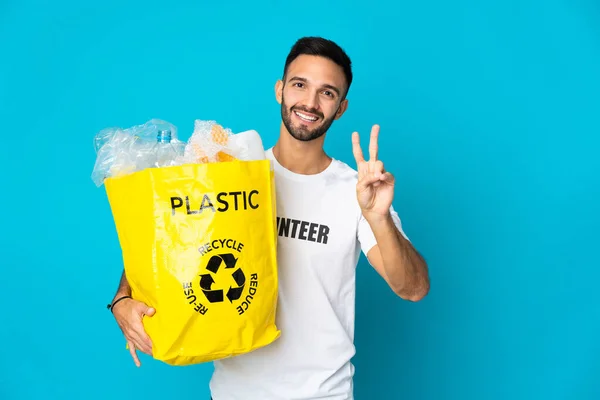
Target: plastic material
124	151
210	142
155	144
199	245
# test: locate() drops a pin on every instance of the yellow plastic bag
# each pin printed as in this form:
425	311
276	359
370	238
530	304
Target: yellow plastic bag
199	245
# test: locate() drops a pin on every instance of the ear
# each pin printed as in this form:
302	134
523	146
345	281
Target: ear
341	109
279	91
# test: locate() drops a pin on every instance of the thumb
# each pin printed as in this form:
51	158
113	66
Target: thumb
149	312
388	178
146	311
365	182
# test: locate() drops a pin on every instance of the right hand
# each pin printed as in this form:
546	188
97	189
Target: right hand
129	314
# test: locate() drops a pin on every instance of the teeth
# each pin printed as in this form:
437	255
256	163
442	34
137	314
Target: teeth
305	117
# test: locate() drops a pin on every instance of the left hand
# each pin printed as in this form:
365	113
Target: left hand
375	187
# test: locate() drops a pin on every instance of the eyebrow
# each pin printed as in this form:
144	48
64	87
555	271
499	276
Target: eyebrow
298	78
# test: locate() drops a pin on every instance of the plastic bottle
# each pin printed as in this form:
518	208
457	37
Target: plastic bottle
164	154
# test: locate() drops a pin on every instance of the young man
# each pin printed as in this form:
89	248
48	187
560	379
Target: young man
353	212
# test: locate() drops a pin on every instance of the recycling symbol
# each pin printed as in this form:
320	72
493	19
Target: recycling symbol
225	262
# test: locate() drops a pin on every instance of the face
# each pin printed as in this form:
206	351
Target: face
311	96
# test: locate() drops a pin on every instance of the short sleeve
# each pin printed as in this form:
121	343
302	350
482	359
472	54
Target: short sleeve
366	236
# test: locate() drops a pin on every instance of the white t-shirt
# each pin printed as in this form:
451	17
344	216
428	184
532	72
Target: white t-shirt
321	234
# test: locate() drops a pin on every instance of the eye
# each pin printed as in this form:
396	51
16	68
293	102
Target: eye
328	93
298	84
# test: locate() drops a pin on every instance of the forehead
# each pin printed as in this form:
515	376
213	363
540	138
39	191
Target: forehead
317	70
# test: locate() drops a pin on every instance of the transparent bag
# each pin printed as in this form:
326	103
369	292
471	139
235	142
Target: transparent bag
155	144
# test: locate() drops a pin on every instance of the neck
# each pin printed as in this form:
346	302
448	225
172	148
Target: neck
306	158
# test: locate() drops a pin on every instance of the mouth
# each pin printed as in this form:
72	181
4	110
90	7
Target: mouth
306	117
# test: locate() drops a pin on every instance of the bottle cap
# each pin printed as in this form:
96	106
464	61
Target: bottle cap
164	135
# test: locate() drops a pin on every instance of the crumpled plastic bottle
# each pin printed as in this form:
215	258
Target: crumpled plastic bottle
123	151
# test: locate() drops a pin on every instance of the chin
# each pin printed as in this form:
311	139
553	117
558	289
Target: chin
304	136
304	131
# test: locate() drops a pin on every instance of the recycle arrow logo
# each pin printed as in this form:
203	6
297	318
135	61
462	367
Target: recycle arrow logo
206	280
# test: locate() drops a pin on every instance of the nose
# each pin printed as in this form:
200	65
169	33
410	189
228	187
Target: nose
312	100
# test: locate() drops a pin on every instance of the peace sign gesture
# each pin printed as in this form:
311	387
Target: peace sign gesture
375	187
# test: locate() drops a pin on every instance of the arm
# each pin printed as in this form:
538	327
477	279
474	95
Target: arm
393	256
129	314
124	289
397	261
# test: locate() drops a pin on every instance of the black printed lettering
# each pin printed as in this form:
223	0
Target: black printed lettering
243	307
295	223
312	232
323	232
235	198
223	244
284	227
242	201
192	299
206	203
253	206
302	230
222	201
200	309
176	202
187	206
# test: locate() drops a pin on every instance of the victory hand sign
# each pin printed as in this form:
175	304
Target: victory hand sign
375	187
394	257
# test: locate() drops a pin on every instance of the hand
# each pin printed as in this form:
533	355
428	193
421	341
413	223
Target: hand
129	314
375	187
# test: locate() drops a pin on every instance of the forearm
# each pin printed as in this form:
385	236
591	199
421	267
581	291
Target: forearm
404	268
124	289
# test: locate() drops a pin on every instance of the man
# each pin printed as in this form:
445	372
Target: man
312	358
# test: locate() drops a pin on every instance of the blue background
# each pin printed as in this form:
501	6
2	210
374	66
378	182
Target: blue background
490	122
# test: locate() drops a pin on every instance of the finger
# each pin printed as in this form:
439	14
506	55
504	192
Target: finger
133	353
147	343
145	338
137	330
387	178
376	167
144	309
148	311
384	179
356	150
366	181
132	336
139	344
142	340
373	145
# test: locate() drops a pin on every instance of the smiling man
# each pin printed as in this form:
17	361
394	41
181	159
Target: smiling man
327	213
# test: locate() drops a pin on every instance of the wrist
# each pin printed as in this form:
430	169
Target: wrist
123	290
376	219
119	298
